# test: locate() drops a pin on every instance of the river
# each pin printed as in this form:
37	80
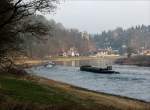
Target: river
133	81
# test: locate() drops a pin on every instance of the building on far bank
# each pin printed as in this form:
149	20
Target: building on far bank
146	52
71	52
143	51
107	52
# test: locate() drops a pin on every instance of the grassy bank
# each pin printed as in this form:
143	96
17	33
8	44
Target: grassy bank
18	94
36	93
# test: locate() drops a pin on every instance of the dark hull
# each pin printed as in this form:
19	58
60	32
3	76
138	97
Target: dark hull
97	70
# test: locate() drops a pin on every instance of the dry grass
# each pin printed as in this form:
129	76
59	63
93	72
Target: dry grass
37	93
101	99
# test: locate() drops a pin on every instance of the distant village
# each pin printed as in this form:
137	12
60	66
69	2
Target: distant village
145	52
101	52
104	52
73	51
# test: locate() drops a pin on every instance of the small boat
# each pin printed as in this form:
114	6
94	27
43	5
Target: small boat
49	64
107	70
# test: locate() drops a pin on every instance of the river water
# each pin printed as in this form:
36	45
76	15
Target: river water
133	81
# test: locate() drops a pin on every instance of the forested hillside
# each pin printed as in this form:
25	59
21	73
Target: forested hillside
55	39
119	39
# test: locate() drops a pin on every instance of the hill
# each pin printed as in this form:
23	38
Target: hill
119	39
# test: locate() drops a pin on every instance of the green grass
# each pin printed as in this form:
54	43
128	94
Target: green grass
18	92
23	90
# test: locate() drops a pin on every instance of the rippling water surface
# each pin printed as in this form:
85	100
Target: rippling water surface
132	81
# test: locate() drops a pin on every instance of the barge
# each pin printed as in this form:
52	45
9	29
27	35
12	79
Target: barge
107	70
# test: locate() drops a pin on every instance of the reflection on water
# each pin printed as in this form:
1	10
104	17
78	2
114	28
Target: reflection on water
96	62
132	81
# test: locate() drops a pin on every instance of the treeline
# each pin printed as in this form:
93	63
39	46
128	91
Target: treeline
57	39
121	40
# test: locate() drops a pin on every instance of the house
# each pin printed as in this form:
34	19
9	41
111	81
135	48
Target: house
107	52
71	52
146	52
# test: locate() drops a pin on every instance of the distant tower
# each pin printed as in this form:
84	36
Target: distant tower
85	35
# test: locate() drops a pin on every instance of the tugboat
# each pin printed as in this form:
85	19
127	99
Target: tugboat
107	70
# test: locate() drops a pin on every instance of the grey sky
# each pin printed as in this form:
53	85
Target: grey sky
98	15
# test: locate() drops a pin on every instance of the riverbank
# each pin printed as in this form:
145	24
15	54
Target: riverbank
83	58
27	92
135	60
28	63
34	62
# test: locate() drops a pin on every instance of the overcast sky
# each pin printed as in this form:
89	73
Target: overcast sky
95	16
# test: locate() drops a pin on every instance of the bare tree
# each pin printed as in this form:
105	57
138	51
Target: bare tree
14	10
11	13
